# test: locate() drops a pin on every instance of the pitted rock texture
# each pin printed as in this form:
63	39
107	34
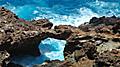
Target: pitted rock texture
94	43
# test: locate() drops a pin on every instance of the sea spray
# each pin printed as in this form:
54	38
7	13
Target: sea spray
69	12
52	48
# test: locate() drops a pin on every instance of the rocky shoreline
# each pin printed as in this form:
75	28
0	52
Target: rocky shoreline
93	44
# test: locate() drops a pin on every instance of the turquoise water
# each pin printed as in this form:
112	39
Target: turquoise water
50	48
69	12
73	12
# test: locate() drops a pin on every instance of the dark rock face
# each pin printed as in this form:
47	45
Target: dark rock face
13	65
12	38
21	37
100	31
95	43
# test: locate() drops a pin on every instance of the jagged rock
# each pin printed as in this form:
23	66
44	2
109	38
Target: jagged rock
64	27
55	63
108	59
19	36
3	56
43	23
97	40
84	62
108	46
84	28
78	54
58	34
104	20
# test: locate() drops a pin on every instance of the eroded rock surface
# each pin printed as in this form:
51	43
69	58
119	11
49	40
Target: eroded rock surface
94	43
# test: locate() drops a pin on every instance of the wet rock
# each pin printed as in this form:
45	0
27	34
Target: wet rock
13	65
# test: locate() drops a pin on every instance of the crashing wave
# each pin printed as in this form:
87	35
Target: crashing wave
67	12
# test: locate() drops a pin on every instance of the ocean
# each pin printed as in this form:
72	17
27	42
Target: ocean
69	12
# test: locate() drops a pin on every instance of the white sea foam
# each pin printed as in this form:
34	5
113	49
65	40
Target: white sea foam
105	8
56	11
95	9
85	14
60	14
50	48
